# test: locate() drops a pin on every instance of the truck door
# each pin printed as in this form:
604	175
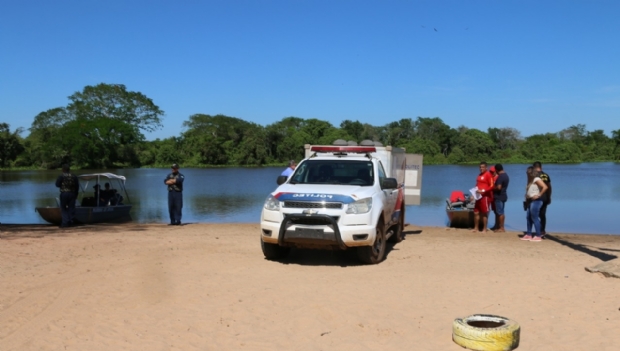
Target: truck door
391	195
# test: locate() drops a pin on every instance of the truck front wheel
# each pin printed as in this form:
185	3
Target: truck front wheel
274	252
374	254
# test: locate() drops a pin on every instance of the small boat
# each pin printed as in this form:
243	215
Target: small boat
460	210
98	208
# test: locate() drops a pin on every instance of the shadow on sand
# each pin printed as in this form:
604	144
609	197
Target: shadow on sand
584	248
347	258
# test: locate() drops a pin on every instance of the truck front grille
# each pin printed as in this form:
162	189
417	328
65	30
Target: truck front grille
304	204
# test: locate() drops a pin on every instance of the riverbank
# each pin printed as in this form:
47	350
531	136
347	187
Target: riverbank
208	287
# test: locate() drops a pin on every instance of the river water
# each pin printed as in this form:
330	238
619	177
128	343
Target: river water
586	197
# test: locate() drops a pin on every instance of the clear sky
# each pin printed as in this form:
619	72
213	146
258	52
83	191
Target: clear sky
537	66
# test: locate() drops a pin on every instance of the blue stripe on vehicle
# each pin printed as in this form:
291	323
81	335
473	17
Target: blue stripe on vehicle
314	197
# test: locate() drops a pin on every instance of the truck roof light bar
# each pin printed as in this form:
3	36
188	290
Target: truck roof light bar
344	149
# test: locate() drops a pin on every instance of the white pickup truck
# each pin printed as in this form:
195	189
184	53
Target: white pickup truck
339	197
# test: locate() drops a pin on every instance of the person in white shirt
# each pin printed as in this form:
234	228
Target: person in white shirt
533	197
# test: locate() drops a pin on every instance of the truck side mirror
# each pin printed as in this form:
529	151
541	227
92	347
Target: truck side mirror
389	183
281	179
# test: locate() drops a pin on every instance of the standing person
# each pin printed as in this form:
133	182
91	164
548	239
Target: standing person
290	169
546	197
494	176
500	196
533	196
69	186
484	188
174	181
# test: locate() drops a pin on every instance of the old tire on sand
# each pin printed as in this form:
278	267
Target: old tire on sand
485	332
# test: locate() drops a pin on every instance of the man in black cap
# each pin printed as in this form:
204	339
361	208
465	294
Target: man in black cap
174	181
69	185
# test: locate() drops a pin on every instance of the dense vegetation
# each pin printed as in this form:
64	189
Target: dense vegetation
102	127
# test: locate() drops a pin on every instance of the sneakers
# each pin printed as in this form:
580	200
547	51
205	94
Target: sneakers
526	237
536	239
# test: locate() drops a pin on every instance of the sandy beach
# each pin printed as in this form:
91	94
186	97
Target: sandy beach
208	287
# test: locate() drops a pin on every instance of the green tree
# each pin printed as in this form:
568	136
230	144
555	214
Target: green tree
398	133
597	146
476	145
46	147
10	144
354	129
505	138
222	140
321	132
285	139
434	129
566	152
576	133
98	129
540	147
615	138
423	146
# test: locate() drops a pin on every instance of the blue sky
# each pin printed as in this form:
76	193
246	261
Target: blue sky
537	66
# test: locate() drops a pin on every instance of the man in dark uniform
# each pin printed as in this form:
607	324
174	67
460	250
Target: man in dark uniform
546	197
69	185
174	181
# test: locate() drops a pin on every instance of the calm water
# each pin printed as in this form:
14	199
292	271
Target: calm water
585	196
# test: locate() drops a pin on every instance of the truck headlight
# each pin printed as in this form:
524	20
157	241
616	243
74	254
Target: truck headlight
360	206
272	204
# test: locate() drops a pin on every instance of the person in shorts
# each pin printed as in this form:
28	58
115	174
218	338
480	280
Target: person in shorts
500	196
484	188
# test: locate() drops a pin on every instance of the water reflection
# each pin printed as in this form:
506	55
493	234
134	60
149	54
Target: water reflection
584	195
226	207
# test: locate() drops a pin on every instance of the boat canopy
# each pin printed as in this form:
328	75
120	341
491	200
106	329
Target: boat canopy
97	175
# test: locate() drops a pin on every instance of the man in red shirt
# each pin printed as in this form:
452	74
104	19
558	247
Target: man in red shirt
484	187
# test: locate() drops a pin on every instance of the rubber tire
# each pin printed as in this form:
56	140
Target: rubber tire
501	338
398	236
274	252
375	253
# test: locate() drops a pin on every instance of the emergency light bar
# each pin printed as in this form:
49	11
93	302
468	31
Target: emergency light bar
350	149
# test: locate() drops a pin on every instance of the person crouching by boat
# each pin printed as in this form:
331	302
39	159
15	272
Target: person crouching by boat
484	188
534	200
69	185
500	196
174	181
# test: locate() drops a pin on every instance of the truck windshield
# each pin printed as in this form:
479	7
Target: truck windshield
358	173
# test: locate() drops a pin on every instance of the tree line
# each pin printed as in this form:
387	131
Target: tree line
102	127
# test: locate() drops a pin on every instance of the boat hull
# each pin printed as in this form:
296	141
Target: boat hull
461	218
88	215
